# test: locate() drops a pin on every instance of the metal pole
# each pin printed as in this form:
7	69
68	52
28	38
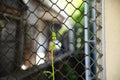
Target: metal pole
87	48
93	13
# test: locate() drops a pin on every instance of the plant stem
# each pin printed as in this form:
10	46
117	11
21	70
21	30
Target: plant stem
53	73
52	52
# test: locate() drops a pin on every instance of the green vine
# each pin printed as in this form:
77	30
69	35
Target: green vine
52	48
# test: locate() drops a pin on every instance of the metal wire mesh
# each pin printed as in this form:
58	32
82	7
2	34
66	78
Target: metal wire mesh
26	28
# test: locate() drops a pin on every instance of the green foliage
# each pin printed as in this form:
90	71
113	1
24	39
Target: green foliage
80	14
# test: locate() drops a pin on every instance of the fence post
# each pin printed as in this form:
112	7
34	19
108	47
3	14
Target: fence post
87	48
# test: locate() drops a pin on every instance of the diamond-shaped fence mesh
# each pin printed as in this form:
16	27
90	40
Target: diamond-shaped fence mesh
42	39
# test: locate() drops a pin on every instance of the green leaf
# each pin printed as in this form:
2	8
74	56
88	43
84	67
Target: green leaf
46	72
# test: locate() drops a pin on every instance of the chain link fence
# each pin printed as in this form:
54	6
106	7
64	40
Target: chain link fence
29	28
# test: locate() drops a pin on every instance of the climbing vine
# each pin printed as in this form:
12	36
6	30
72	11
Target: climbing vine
52	48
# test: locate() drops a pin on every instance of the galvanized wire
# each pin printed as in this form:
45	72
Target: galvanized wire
26	28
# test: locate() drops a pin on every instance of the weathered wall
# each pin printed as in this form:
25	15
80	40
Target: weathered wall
112	34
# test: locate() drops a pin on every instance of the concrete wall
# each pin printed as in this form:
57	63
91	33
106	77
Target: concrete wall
112	34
